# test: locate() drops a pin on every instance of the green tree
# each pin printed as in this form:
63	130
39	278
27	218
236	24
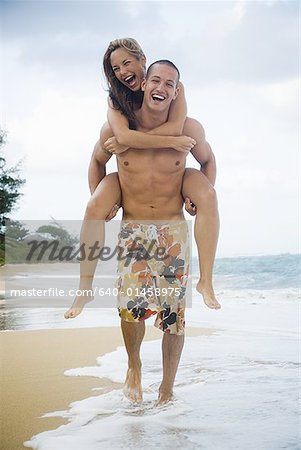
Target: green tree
10	184
57	231
15	230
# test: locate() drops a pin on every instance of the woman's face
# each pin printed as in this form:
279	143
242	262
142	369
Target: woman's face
127	69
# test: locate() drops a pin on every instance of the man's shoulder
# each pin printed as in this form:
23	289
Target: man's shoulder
105	132
192	122
193	126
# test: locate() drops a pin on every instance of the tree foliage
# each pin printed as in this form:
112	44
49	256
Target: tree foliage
15	230
10	184
57	231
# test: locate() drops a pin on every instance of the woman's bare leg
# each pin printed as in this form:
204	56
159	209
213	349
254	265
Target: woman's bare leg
106	195
197	187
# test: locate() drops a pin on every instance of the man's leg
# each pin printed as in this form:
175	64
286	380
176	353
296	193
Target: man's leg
133	333
172	345
106	195
206	229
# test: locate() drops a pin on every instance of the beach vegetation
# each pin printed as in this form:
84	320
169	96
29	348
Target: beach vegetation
58	232
50	242
10	186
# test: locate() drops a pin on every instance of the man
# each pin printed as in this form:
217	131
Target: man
151	184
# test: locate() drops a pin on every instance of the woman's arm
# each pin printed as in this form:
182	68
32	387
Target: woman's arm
166	135
138	139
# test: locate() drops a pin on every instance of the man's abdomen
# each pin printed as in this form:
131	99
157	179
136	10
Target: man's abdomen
151	196
158	209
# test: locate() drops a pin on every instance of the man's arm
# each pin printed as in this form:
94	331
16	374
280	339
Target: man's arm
99	158
208	166
202	150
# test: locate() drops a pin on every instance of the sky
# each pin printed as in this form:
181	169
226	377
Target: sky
239	65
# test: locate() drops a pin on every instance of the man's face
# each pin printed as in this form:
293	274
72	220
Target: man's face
160	88
127	68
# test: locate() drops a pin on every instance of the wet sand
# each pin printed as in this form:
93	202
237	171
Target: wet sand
33	381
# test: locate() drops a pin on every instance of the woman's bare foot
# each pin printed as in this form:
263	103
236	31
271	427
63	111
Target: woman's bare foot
78	305
164	398
208	295
132	387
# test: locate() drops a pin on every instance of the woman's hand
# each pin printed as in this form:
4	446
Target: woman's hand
112	213
190	207
111	145
183	143
180	143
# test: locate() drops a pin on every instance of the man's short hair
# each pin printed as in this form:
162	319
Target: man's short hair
167	63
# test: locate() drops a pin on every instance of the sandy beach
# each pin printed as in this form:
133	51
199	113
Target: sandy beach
238	371
33	381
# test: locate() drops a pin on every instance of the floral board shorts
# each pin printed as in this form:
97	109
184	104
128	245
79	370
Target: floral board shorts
153	267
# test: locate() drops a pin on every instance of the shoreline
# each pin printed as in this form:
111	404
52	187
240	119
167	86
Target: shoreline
32	374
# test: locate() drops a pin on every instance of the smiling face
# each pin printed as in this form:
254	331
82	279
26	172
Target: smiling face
129	70
160	87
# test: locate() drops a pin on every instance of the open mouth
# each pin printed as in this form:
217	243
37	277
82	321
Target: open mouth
158	98
130	80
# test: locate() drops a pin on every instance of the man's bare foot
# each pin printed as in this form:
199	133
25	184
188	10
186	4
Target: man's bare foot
132	387
208	295
164	398
78	305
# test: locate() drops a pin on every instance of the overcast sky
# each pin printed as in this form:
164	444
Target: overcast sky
238	62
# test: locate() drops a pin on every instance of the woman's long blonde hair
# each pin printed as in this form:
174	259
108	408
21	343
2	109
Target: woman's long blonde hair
122	97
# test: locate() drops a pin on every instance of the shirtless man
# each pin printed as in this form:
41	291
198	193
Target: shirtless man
151	183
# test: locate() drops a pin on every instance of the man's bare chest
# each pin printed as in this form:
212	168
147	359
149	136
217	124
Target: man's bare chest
151	160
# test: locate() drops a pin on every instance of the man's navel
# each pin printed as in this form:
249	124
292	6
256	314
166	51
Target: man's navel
177	163
126	163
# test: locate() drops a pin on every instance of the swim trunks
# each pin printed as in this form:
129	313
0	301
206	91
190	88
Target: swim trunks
153	266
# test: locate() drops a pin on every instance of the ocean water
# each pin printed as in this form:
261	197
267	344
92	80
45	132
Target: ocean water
256	272
236	388
237	281
228	396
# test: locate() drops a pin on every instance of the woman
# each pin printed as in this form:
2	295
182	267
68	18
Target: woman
124	67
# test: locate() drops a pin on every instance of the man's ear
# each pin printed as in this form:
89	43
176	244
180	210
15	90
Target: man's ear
143	84
176	92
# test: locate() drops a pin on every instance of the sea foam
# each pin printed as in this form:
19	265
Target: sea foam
232	391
